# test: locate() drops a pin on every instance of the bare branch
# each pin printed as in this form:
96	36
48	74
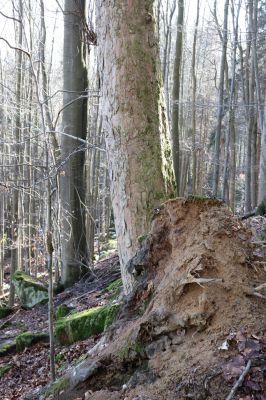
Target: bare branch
14	47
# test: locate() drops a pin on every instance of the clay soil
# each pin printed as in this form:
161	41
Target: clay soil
196	317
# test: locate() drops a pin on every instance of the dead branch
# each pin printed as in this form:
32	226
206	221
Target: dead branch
14	47
239	381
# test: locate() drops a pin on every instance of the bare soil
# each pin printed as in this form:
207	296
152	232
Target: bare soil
196	317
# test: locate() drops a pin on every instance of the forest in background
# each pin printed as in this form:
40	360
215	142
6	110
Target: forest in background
213	75
60	84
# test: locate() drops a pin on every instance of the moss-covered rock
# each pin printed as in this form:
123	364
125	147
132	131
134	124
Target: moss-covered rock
29	290
114	288
62	311
81	325
4	369
5	311
28	339
7	347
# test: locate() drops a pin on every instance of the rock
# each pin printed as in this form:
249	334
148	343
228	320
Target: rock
5	311
7	347
28	339
29	290
81	325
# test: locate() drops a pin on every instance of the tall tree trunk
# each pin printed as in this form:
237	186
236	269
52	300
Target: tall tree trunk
15	199
176	95
129	67
220	105
194	89
74	247
230	137
262	173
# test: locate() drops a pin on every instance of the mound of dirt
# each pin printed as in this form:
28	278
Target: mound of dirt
196	317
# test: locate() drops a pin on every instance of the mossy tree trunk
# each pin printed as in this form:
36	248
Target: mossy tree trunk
72	188
134	120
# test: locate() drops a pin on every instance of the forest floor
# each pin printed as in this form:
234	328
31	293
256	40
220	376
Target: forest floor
187	333
30	368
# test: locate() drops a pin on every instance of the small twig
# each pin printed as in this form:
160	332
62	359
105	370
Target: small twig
239	381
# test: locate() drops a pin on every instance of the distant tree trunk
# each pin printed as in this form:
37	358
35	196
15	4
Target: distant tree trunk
220	105
262	173
130	69
230	137
15	199
176	95
252	125
194	89
74	248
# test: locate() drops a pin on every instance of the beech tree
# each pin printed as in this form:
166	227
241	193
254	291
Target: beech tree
74	121
176	94
133	118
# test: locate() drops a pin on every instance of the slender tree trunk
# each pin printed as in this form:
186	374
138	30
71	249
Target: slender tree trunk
194	89
262	173
228	185
15	200
176	95
74	245
216	173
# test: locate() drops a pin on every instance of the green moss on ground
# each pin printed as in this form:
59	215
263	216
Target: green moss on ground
4	369
62	311
81	325
28	339
5	311
29	289
58	386
114	288
117	284
7	348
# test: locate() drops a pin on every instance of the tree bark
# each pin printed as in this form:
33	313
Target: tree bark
194	89
74	248
15	199
176	95
135	129
220	105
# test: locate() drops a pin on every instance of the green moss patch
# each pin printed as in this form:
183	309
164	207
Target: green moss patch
117	284
28	339
81	325
58	387
7	348
4	369
62	311
5	311
114	288
29	290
